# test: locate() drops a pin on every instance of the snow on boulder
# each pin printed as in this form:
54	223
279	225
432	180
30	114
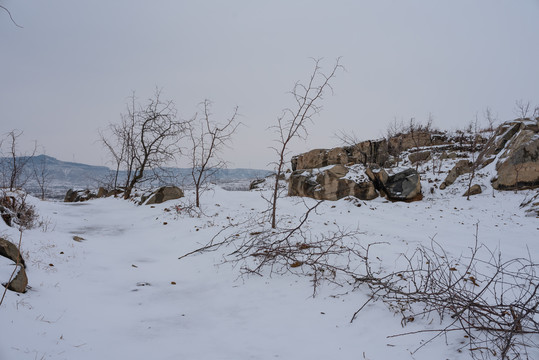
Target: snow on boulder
518	164
515	148
330	183
318	158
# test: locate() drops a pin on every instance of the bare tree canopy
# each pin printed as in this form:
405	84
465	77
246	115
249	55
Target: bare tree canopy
13	165
145	139
208	138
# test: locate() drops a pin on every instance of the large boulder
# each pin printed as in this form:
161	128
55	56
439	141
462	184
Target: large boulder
331	183
515	146
403	186
163	194
461	167
19	282
10	251
518	164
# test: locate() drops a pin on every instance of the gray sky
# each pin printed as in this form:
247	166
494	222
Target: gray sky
69	70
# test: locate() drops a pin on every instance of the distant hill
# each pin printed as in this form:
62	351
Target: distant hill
63	175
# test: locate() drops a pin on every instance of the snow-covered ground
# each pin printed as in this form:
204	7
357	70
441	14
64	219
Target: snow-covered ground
122	293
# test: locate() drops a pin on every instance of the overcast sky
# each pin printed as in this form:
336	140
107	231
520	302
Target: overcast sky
69	71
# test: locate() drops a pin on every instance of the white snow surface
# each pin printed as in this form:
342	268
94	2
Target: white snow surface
122	293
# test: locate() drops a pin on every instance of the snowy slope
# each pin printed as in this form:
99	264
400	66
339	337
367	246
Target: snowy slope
122	293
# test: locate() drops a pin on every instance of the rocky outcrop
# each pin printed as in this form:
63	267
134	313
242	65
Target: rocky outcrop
163	194
497	142
330	183
377	152
518	162
369	152
318	158
19	282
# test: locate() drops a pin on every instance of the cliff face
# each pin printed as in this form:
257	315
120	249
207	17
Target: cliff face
384	152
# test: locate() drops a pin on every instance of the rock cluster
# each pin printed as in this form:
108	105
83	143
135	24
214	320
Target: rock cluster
85	195
380	152
325	174
338	181
329	183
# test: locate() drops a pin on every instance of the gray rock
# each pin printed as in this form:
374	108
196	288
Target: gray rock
404	186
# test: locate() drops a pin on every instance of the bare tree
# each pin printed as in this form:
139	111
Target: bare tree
14	164
145	140
522	109
10	16
42	174
118	140
394	134
155	133
293	121
475	133
208	139
491	120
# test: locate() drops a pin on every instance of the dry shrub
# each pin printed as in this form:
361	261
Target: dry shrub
16	211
